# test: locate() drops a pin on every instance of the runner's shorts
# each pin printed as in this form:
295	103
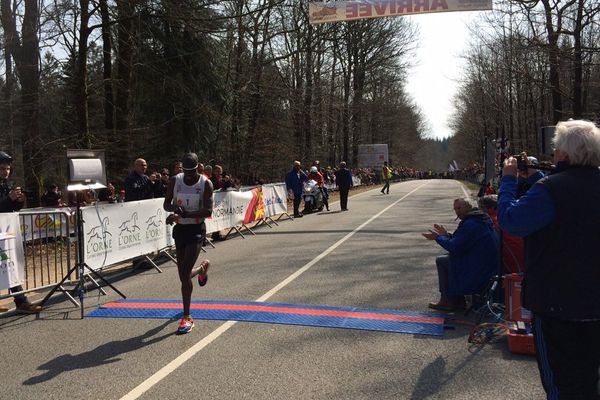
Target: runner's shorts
185	234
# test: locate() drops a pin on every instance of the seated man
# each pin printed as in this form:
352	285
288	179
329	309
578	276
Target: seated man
472	258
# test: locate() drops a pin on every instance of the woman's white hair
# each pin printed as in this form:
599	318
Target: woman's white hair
580	140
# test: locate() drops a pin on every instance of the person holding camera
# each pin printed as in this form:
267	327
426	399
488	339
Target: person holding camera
12	199
559	217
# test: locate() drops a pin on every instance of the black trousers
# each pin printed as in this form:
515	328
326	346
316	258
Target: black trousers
386	186
297	200
344	198
19	298
568	356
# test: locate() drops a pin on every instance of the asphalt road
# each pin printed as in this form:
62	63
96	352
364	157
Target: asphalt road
372	256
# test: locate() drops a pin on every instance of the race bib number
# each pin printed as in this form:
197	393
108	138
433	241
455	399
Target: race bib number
190	202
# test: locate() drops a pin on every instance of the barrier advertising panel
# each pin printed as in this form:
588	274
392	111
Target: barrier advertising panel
117	232
234	208
275	198
12	259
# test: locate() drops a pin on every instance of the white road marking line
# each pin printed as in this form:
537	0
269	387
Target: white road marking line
180	360
464	189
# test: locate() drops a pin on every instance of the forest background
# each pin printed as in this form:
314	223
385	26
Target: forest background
252	86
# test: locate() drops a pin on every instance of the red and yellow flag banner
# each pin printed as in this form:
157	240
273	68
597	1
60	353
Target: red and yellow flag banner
321	12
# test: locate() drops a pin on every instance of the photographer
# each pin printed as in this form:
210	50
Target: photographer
527	173
559	218
12	199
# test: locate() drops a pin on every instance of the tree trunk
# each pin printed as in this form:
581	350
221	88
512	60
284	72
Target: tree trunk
125	36
578	63
81	88
553	61
26	56
109	110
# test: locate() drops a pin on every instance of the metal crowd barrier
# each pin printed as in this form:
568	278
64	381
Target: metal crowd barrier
49	249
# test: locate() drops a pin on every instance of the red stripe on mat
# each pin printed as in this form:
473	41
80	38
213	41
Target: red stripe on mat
284	310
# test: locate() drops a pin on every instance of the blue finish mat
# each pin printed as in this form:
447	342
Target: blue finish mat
279	313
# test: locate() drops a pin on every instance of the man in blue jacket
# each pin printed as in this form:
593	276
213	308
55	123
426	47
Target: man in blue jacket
559	218
294	184
472	259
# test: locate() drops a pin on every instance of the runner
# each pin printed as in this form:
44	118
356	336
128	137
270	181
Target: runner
189	197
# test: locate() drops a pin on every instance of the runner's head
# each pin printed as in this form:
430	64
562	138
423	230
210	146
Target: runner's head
189	162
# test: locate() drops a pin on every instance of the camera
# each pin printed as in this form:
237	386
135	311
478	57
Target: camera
522	162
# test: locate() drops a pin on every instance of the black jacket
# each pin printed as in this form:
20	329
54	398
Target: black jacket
562	261
6	204
138	187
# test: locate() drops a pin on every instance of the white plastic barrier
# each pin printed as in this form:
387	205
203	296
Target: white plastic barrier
275	197
113	233
12	259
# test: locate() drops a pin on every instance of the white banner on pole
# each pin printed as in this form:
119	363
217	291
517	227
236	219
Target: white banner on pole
114	233
12	259
372	155
275	199
321	12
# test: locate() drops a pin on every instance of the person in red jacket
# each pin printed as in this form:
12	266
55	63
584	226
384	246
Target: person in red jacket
513	253
316	176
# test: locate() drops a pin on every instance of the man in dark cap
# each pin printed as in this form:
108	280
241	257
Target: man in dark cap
189	198
12	199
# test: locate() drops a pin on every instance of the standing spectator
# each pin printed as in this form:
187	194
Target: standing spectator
217	177
217	182
12	199
208	171
177	168
293	183
512	254
137	185
108	194
386	175
160	186
52	197
558	217
227	182
189	198
343	179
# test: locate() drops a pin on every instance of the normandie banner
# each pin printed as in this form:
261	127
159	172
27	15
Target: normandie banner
321	12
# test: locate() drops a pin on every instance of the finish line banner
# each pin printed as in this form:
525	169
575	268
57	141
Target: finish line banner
320	12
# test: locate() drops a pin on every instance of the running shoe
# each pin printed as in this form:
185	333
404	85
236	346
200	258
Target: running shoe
203	272
185	326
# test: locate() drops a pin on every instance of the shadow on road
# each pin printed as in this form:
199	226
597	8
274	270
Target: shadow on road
104	354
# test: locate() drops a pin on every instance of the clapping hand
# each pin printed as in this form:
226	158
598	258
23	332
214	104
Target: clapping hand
437	230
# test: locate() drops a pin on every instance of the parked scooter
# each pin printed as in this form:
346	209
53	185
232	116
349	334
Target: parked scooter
313	197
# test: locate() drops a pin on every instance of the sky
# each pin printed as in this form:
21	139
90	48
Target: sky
434	80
